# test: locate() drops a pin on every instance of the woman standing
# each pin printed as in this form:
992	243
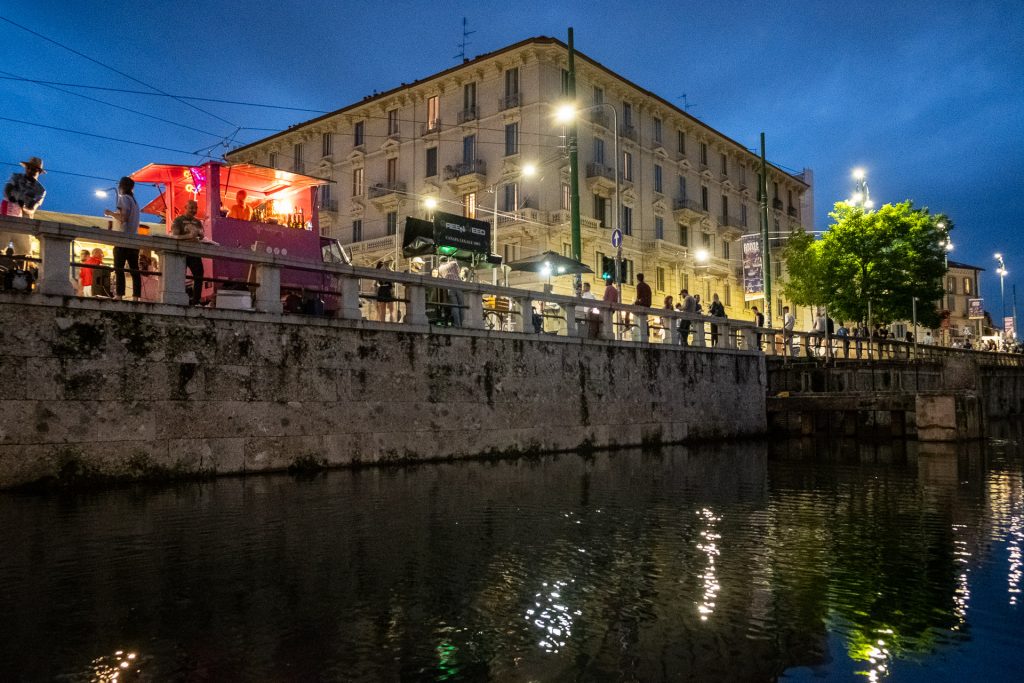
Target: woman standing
385	297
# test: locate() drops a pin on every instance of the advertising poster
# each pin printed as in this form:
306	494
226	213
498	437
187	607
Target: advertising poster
976	309
753	274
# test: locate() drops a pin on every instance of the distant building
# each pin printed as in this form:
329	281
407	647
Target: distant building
962	284
464	135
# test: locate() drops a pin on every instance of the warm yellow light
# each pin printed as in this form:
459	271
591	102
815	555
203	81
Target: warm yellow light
999	256
283	206
565	113
430	203
869	204
529	170
858	197
701	255
858	174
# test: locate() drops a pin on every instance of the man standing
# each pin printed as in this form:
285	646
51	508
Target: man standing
591	315
127	219
451	270
758	322
643	292
188	227
690	307
23	192
788	323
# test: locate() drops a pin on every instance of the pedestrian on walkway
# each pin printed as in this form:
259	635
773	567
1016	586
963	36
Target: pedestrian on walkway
126	220
591	315
689	306
188	227
643	292
23	192
788	324
717	310
758	322
451	270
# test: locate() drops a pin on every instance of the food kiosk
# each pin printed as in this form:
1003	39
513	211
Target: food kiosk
248	207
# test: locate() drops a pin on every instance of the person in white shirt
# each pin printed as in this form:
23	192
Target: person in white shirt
591	315
788	323
127	219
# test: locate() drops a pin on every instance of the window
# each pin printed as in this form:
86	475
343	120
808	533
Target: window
327	143
511	202
775	188
393	122
511	82
433	112
469	96
627	166
728	295
297	157
511	139
565	81
392	171
684	281
967	285
392	222
704	198
705	238
951	303
681	142
656	130
725	209
789	197
660	278
725	165
357	182
657	179
743	175
627	220
324	195
684	235
431	162
468	149
601	210
357	133
598	151
743	215
272	160
627	114
725	249
566	195
598	95
951	285
704	154
659	228
510	252
567	249
469	205
357	231
682	187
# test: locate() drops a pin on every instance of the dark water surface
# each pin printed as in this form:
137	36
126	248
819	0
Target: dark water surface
750	562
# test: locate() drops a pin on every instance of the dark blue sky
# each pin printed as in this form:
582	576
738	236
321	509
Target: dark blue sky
928	96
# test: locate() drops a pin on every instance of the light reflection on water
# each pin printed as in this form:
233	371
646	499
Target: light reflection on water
720	563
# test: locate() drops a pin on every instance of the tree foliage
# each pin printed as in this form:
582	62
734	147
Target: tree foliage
887	257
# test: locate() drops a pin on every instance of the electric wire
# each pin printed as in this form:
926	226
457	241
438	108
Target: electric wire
101	137
117	71
53	170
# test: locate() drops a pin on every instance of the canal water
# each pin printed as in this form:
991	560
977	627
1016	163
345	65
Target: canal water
754	562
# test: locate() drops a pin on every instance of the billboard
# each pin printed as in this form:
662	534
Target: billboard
753	272
976	309
1008	327
447	234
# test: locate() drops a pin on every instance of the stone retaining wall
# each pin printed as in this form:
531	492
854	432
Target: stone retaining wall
130	390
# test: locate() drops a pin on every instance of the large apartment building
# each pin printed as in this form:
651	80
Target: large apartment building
466	138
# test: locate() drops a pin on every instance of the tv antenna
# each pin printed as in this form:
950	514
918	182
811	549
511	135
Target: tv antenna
686	105
465	36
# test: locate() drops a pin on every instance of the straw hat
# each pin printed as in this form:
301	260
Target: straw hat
33	162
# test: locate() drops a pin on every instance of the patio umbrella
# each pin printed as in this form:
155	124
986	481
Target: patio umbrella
549	263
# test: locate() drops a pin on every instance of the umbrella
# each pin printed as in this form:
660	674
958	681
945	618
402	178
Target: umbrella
549	263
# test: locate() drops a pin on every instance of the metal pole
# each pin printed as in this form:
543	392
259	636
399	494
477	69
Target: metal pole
574	171
1016	333
1002	302
494	232
913	305
869	328
618	209
766	254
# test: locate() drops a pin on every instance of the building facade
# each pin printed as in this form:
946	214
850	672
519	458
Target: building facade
466	137
962	284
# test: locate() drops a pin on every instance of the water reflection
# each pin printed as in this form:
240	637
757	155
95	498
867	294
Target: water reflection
724	563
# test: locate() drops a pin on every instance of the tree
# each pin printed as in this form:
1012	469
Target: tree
886	257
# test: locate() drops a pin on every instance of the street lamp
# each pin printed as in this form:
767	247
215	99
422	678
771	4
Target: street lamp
861	193
567	113
527	171
1002	292
103	194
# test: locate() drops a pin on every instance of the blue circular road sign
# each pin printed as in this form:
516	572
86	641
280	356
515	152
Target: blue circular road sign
616	238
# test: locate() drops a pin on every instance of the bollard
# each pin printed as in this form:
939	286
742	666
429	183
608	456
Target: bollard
268	293
349	309
473	314
55	265
172	282
416	314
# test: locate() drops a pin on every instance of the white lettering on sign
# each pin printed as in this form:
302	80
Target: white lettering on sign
478	231
456	227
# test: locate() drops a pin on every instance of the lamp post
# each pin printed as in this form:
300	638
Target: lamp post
527	171
568	113
861	193
1002	292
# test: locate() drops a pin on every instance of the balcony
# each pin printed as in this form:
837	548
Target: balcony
432	127
508	102
600	117
466	176
629	132
777	204
732	226
792	212
686	209
298	167
387	193
466	115
601	176
329	205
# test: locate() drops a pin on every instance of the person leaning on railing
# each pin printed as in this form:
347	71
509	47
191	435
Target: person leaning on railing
188	227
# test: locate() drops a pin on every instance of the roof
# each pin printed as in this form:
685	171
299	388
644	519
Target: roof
965	266
262	180
540	40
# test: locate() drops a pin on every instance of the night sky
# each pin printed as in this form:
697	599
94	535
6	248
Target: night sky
927	96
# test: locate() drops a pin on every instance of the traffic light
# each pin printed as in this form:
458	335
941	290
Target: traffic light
607	268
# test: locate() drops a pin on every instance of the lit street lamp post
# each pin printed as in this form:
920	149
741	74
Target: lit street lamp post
861	193
1002	292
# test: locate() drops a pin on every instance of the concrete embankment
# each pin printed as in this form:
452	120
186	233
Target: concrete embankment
105	389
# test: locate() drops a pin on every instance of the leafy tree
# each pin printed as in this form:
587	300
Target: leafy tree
887	257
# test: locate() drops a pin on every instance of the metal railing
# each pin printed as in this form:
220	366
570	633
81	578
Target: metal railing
468	114
679	204
329	205
508	102
596	170
431	126
383	189
462	168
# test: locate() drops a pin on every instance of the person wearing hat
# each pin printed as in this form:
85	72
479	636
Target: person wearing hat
23	192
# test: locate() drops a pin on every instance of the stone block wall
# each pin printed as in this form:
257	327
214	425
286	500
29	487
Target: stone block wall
136	390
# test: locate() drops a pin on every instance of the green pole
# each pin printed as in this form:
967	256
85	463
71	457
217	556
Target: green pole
766	254
574	171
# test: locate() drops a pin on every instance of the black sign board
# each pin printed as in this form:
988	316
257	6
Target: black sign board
464	234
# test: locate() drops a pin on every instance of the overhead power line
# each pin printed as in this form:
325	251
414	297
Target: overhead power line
117	71
102	137
163	94
79	175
